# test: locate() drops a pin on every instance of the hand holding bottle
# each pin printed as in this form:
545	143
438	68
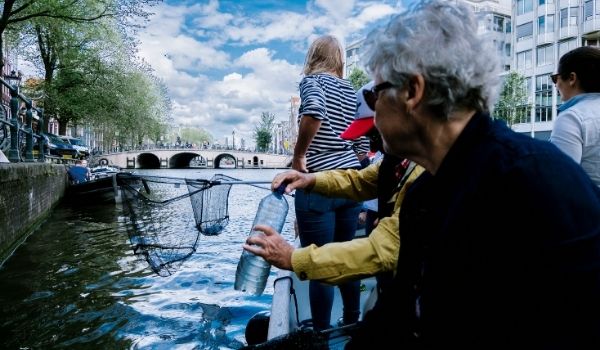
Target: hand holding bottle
271	246
252	270
293	180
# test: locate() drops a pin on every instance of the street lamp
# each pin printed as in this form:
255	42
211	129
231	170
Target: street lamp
233	140
14	79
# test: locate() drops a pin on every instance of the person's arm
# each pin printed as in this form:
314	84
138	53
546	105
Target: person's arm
341	261
361	148
358	185
566	135
307	130
311	112
332	262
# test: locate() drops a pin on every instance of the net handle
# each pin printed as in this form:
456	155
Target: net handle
253	183
237	182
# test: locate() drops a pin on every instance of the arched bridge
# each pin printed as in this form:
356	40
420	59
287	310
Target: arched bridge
184	158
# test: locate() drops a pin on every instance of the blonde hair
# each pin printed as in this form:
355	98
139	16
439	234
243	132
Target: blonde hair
324	56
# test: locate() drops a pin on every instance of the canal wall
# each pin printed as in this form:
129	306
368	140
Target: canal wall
27	194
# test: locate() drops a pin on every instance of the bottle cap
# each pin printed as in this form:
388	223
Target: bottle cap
281	189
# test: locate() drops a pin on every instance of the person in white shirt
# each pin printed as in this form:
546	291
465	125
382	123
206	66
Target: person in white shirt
577	129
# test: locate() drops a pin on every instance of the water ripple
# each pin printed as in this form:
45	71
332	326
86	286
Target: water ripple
76	283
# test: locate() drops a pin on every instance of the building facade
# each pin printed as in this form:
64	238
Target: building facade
544	30
494	24
353	57
292	132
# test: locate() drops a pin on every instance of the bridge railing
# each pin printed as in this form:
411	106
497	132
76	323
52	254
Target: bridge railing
150	148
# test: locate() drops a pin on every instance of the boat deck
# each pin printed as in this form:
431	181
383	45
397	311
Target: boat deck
283	318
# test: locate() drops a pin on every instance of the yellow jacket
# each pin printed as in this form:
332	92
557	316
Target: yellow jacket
343	261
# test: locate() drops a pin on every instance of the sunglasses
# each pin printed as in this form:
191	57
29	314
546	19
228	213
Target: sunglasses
372	95
554	77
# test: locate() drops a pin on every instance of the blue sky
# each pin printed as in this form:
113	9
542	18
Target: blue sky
227	61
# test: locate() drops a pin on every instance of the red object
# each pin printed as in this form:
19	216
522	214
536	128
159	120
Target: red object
358	128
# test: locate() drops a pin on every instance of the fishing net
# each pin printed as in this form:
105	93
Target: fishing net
210	205
157	216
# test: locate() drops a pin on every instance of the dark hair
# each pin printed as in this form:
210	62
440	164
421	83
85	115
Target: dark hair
585	62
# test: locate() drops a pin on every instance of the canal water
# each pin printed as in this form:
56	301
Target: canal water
76	283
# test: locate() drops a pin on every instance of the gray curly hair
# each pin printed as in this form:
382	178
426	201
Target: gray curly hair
437	39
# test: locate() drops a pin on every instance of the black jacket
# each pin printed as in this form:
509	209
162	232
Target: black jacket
500	249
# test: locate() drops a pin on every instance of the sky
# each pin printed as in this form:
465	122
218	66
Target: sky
225	62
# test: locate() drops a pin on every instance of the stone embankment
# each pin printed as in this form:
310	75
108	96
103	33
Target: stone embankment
28	191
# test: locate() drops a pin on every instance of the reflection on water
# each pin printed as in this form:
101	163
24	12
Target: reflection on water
75	283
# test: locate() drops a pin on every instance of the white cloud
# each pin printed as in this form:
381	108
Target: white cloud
270	26
338	9
225	90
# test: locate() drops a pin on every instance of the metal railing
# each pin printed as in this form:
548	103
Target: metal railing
13	130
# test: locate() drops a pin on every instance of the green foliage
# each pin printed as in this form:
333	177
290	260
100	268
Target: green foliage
90	74
19	15
512	106
358	78
196	135
263	131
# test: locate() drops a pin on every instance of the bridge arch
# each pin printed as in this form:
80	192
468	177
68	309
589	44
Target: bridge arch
183	160
147	161
225	160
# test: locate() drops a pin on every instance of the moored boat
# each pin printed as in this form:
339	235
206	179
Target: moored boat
98	190
103	171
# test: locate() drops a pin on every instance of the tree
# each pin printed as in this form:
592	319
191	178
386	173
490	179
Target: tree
512	105
262	132
18	12
196	135
358	78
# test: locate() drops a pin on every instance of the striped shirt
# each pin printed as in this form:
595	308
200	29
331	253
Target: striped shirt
332	101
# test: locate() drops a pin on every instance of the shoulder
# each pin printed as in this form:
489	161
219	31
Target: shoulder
326	80
310	83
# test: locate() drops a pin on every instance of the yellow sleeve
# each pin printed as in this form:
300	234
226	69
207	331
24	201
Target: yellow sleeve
359	185
343	261
339	262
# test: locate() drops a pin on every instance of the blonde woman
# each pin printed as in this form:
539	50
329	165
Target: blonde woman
328	104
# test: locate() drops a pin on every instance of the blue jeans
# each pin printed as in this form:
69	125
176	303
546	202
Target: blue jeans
323	220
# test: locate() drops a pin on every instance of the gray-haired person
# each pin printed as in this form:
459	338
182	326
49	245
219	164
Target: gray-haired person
501	234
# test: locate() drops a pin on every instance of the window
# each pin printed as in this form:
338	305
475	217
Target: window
546	24
507	49
524	60
524	6
573	15
566	46
525	116
588	10
524	31
509	25
564	13
544	55
569	16
543	98
499	24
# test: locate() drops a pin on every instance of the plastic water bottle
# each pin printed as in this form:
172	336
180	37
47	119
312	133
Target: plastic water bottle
252	270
